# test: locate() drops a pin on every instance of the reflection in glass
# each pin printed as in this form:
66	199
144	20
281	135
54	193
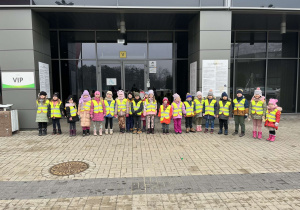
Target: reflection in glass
54	44
55	76
160	44
108	48
111	71
162	81
250	45
86	77
282	78
250	74
211	3
266	3
77	45
283	45
134	77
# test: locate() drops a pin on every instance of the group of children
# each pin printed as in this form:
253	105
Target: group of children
141	107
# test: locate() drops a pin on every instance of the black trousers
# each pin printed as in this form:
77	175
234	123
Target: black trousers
42	125
137	121
188	122
55	122
110	120
72	125
223	123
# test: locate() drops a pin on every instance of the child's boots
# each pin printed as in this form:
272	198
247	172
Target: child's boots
193	130
59	132
272	138
226	132
139	131
254	134
134	131
111	131
95	132
54	132
40	132
259	135
220	131
106	131
100	131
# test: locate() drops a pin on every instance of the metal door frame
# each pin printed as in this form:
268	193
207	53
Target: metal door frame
122	63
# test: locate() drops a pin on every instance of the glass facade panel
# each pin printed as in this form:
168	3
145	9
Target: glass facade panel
111	71
15	2
250	45
54	44
250	74
77	45
181	42
266	3
160	44
86	77
159	3
108	48
212	3
162	80
282	79
76	2
283	45
134	77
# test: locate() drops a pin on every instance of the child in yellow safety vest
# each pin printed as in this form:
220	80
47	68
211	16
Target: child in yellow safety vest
178	110
165	114
121	110
240	107
150	111
189	108
198	102
109	103
41	114
210	111
71	114
224	113
84	112
129	117
257	112
56	112
273	118
97	112
137	110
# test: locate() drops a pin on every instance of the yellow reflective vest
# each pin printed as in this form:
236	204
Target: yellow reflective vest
177	110
122	105
257	108
150	106
55	110
110	109
198	105
136	106
189	109
97	107
224	109
85	106
164	114
210	107
271	116
73	111
239	105
42	108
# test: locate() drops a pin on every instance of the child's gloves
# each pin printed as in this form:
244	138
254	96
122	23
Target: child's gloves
127	115
92	116
263	119
116	116
276	124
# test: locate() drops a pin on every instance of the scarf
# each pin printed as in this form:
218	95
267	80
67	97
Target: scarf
82	99
109	99
70	104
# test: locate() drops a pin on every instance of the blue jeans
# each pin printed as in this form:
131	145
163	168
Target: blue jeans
210	121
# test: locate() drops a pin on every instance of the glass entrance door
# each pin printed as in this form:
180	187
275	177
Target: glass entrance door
126	75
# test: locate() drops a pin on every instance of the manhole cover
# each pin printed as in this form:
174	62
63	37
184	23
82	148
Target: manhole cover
69	168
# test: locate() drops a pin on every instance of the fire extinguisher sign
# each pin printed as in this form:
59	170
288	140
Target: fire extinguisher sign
17	80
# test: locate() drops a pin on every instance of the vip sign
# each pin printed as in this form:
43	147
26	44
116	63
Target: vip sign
17	80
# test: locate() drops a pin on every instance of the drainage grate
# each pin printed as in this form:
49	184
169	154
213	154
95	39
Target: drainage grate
68	168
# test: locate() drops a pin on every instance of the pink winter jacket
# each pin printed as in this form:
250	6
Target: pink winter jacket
97	116
182	107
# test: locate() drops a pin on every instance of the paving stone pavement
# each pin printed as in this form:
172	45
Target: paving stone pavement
188	171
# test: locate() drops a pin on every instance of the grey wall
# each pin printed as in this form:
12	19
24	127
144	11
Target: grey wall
210	39
24	42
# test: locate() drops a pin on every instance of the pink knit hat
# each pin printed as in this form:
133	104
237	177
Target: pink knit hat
199	93
176	96
97	93
273	101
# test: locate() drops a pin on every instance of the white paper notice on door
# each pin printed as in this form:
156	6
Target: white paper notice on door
44	78
214	76
193	78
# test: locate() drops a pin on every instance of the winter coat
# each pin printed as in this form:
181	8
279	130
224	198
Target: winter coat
42	117
241	112
61	107
85	118
222	116
68	115
140	109
166	121
128	105
272	124
109	116
191	103
256	116
209	117
97	116
121	113
199	114
182	110
145	108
